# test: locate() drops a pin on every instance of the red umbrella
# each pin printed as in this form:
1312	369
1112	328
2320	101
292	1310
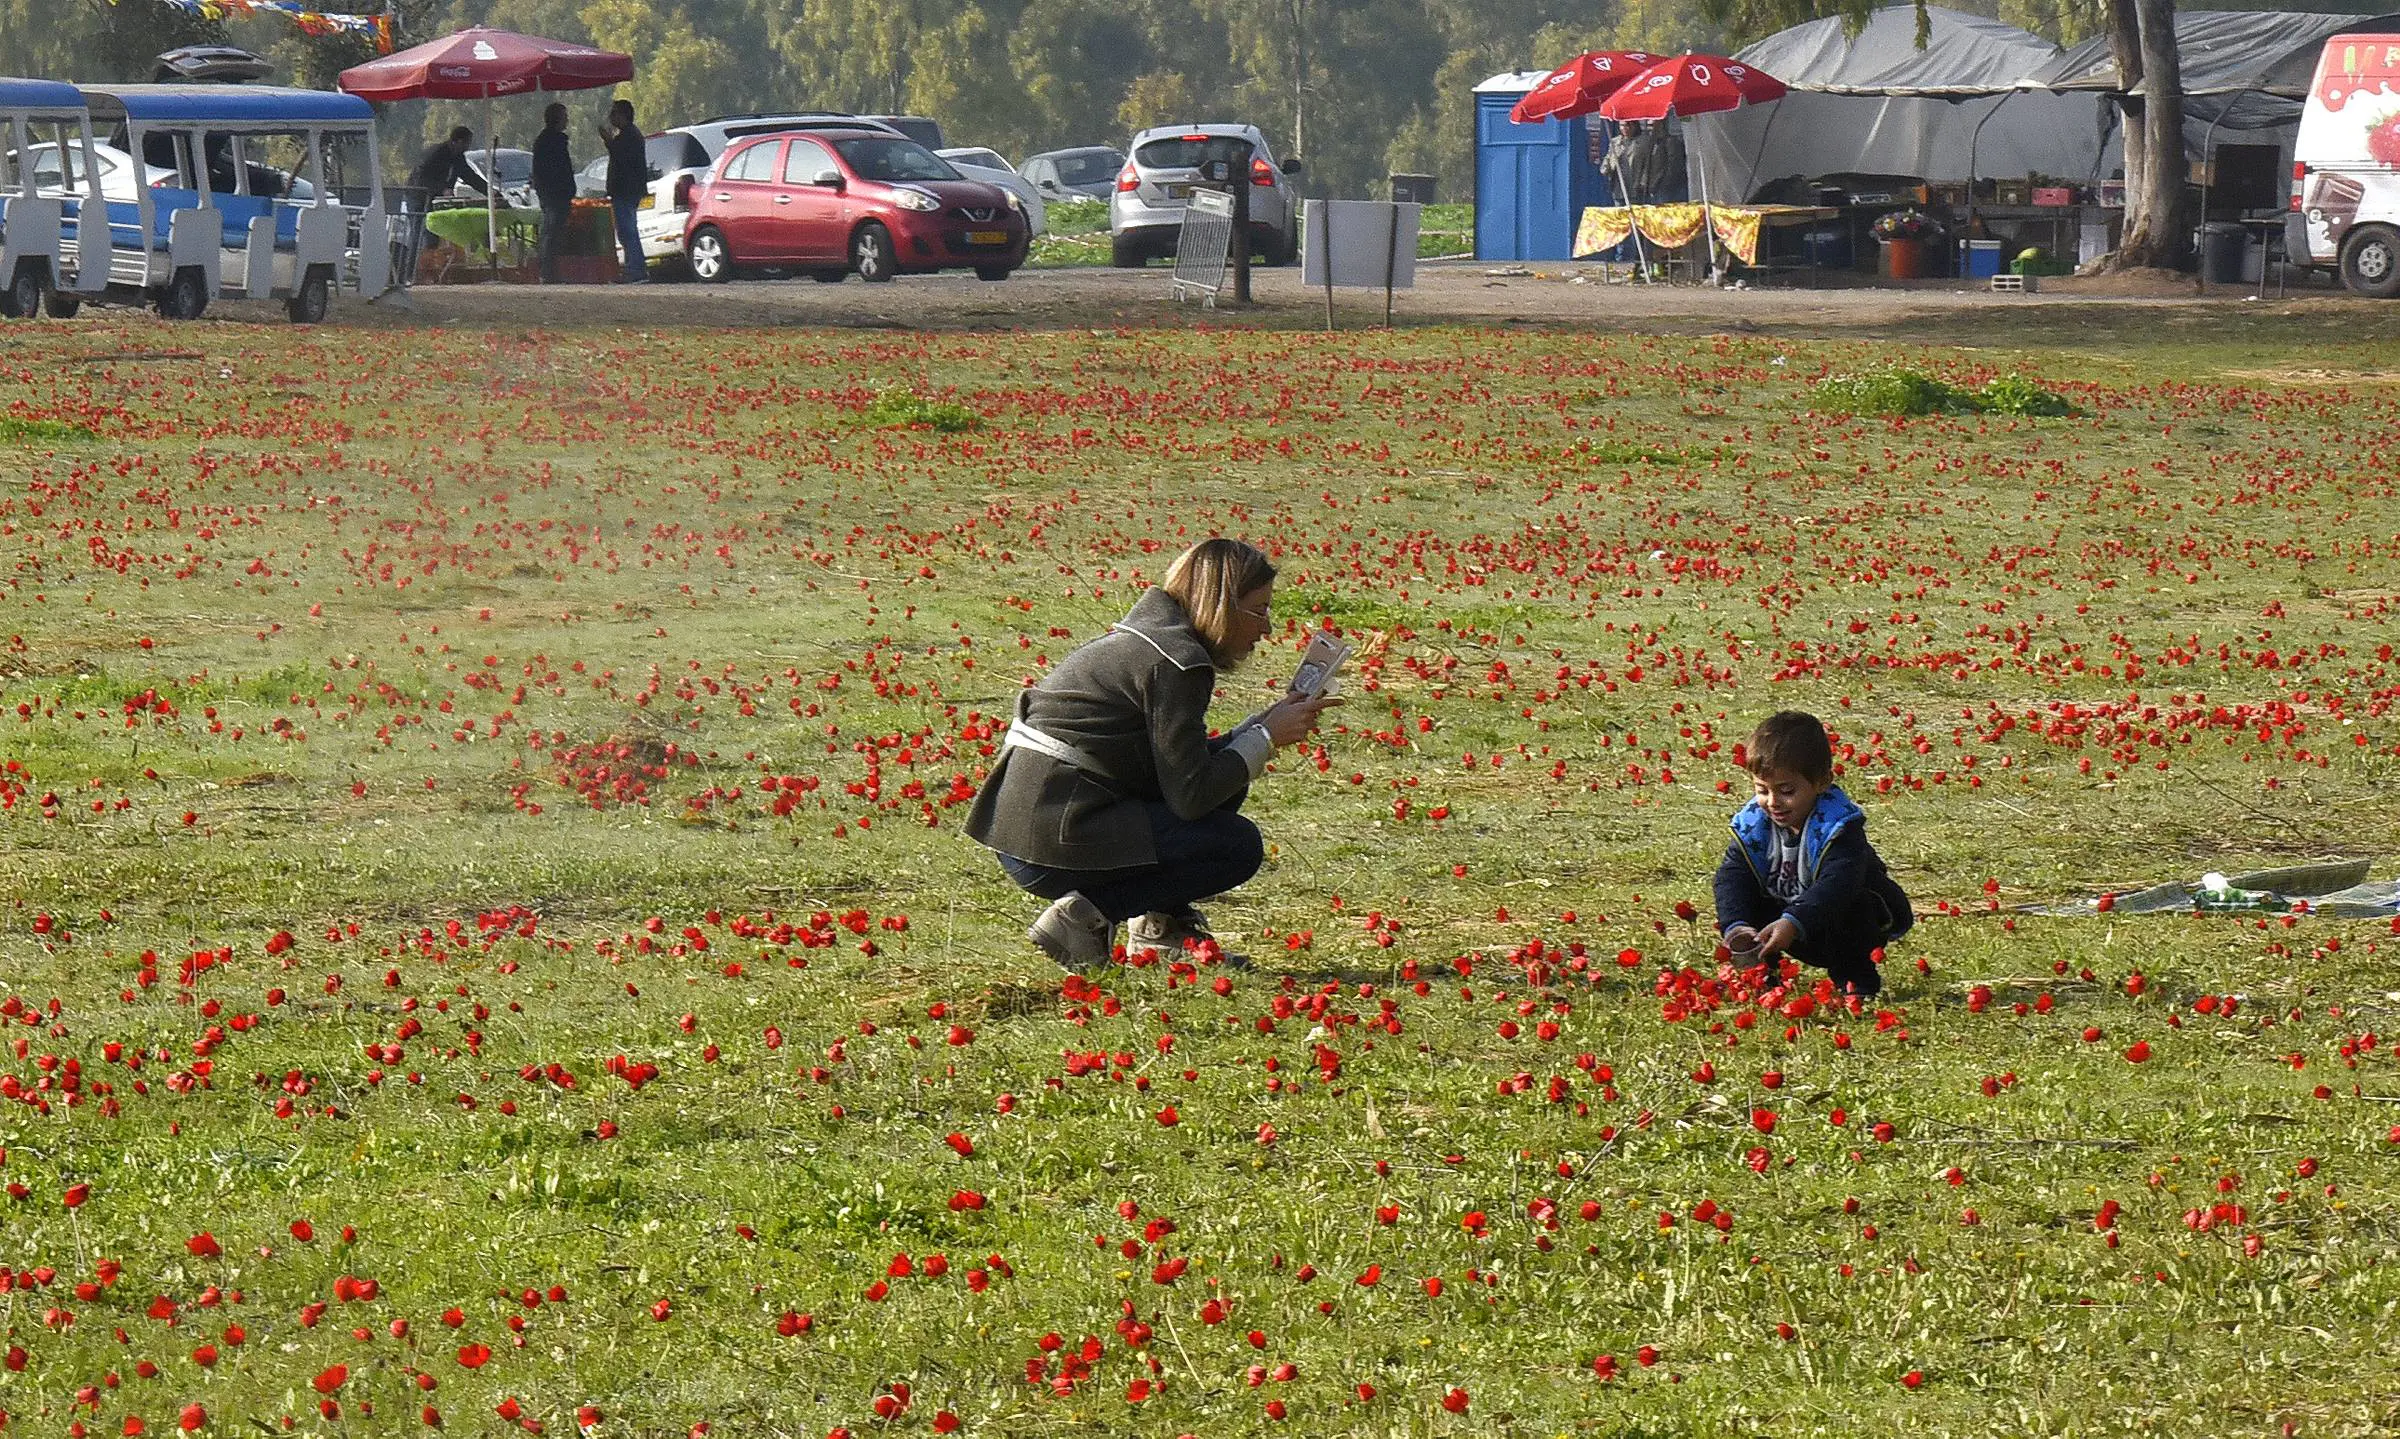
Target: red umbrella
1693	85
1578	87
478	64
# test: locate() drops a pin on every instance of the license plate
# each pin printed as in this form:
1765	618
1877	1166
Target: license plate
1179	192
649	202
987	237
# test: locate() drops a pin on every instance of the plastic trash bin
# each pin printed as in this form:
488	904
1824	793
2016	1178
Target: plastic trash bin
1978	259
2223	247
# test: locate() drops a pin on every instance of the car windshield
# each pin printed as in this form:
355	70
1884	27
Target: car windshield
516	166
1090	167
1187	152
988	159
888	157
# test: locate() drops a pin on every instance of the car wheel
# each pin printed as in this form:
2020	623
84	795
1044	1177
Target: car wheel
22	300
2371	261
1127	253
186	295
829	277
871	253
308	304
710	259
994	272
59	305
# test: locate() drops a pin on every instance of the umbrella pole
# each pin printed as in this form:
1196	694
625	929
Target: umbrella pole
491	184
1708	223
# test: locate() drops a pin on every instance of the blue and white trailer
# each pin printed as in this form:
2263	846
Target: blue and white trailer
208	192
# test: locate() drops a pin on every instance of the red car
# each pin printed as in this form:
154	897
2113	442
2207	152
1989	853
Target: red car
835	201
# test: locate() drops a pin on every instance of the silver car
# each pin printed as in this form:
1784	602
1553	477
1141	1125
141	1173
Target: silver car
1086	173
1145	211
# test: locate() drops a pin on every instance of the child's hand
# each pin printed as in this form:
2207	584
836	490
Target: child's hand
1741	939
1777	938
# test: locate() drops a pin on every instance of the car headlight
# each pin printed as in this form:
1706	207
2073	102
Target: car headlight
916	200
1013	202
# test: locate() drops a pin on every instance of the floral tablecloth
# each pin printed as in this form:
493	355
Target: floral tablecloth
1671	227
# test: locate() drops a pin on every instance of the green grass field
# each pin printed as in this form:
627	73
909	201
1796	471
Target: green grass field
489	936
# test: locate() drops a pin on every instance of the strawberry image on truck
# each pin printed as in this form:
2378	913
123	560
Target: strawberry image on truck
2346	166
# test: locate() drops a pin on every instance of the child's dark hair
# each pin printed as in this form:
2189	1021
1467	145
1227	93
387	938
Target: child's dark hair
1794	742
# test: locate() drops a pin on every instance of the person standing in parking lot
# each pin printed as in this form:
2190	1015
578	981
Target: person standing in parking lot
554	186
628	182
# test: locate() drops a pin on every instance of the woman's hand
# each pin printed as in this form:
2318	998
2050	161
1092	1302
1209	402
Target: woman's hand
1288	721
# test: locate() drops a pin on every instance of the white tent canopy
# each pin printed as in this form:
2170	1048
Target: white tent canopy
1876	104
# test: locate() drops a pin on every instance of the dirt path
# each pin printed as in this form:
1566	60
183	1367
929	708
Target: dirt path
1448	293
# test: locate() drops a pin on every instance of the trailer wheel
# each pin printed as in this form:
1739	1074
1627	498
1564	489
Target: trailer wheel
2371	261
186	295
22	300
59	305
308	304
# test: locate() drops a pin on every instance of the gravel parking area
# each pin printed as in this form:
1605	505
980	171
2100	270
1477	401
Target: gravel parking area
1573	296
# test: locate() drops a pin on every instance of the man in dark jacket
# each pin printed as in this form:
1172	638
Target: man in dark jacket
442	166
1800	878
553	185
628	182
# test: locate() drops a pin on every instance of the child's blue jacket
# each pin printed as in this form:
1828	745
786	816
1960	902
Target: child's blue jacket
1846	894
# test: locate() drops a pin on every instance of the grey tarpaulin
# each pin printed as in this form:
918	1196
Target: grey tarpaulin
1876	104
2336	889
2242	69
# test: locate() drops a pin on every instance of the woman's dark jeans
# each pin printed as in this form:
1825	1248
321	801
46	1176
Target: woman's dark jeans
1196	858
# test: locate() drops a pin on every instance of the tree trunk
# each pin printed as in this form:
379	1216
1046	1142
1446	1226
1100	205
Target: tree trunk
1296	12
2125	45
2158	233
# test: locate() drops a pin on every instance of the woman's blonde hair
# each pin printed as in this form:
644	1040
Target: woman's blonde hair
1209	580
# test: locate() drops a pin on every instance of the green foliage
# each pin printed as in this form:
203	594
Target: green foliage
1889	391
2013	394
898	409
1892	390
23	430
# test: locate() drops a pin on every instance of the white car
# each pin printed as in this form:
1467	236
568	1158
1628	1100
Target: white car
992	168
116	170
516	178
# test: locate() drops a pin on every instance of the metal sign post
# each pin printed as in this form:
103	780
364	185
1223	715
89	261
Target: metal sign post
1240	180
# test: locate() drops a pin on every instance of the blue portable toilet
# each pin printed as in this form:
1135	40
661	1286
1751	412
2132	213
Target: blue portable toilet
1532	182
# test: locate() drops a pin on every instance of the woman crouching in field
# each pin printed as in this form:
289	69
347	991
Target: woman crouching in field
1110	800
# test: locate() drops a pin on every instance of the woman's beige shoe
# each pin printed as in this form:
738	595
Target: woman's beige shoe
1165	932
1074	933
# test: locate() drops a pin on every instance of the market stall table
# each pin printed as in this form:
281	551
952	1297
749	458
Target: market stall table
1739	228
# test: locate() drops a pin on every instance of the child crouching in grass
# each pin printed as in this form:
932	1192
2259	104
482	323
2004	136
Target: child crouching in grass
1800	878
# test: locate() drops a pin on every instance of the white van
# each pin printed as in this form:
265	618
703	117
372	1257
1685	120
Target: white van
2346	166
